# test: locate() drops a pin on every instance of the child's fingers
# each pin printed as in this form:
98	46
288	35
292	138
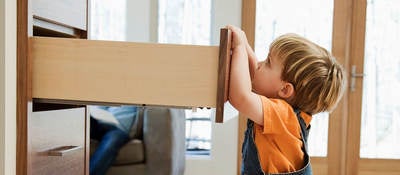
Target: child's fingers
238	36
230	27
236	32
234	29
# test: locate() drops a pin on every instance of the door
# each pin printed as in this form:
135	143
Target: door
374	123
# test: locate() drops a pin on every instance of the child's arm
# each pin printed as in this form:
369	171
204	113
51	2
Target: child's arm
240	92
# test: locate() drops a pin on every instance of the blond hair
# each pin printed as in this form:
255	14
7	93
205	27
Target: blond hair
318	79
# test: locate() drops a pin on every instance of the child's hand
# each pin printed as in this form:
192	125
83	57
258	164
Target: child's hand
238	37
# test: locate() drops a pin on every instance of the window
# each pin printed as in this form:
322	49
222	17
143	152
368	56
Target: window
198	131
108	20
380	124
189	22
184	22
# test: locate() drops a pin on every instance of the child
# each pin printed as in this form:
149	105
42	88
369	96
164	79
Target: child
278	95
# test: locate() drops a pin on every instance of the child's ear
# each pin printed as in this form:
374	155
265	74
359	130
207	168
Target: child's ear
286	91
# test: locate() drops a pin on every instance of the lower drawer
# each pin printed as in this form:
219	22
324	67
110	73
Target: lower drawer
57	142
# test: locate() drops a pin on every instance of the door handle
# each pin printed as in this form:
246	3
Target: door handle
353	77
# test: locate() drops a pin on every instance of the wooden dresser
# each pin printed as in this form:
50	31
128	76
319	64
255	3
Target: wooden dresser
60	72
53	137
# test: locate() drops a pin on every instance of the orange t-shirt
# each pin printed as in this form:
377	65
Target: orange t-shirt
279	141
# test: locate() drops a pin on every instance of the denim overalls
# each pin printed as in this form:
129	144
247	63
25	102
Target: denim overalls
250	160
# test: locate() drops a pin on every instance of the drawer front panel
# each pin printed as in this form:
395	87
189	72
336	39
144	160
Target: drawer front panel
57	141
72	13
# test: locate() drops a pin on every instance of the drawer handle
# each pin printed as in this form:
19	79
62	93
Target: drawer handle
63	150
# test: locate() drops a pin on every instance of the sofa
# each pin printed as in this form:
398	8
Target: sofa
157	145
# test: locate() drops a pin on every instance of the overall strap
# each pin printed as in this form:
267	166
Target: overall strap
304	130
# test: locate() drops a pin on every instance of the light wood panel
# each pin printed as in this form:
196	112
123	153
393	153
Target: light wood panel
356	58
22	87
123	72
381	166
319	165
341	40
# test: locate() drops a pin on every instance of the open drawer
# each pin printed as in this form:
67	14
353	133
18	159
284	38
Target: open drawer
109	72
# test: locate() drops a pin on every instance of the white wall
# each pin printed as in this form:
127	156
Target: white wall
2	87
141	20
8	12
223	158
225	12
